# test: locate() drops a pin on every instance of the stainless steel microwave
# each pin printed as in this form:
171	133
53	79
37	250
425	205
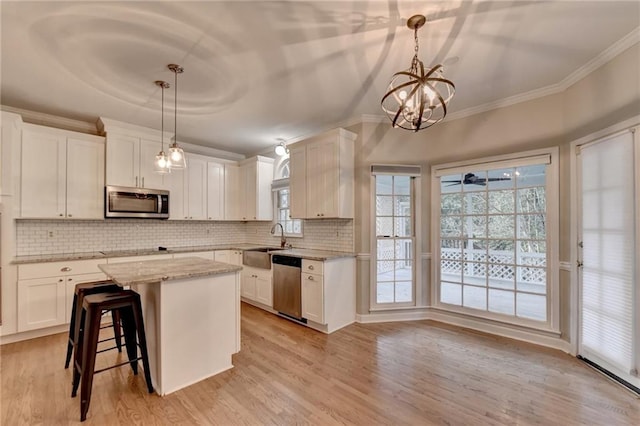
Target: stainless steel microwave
143	203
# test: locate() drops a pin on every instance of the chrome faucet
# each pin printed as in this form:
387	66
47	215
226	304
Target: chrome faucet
283	240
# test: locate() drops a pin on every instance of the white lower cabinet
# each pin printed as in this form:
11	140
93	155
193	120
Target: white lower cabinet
257	285
233	257
45	291
313	297
209	255
329	292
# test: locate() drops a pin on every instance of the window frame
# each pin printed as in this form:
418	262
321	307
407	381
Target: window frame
552	323
415	184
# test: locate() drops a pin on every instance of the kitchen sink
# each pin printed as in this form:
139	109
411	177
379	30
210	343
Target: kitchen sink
258	257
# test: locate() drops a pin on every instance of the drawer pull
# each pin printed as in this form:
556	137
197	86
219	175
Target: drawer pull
311	267
60	280
65	269
310	278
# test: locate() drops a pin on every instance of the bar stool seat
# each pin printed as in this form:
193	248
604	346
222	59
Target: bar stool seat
81	290
129	307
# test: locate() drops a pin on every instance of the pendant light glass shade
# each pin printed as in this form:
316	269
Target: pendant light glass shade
417	98
162	164
176	154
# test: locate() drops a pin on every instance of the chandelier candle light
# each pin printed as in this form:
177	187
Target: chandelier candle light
162	164
417	98
176	154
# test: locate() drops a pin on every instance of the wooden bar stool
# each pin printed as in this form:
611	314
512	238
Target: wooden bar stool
128	305
81	290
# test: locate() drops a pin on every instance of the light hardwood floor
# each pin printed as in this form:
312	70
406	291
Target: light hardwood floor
409	373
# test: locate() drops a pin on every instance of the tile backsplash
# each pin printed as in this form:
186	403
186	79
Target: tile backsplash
77	236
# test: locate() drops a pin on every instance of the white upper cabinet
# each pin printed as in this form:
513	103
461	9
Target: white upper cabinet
298	181
197	192
62	174
322	175
130	162
215	190
248	189
195	188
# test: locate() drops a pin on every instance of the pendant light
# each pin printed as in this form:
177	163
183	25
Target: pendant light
176	154
162	164
417	98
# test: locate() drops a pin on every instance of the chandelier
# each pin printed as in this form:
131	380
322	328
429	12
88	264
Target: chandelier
176	154
162	164
417	98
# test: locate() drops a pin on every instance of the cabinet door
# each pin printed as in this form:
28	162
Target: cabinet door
248	283
313	298
264	288
123	160
43	178
196	188
215	191
248	186
298	182
177	202
232	195
326	172
149	178
264	195
41	303
85	179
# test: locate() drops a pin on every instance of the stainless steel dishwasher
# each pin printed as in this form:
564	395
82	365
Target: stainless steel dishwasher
287	287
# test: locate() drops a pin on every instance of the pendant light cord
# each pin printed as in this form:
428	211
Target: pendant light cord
175	109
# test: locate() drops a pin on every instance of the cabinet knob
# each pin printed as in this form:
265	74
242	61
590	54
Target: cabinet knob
69	215
60	215
311	267
190	217
69	279
209	217
60	280
310	278
186	217
65	269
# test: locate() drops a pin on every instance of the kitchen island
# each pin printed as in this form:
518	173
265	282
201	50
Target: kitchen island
191	310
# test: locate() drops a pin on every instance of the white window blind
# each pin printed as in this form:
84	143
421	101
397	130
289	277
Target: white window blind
608	253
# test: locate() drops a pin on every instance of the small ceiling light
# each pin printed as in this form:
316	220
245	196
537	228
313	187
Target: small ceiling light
162	164
176	154
281	148
417	98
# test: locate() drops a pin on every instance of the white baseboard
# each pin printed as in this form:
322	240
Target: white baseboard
513	332
33	334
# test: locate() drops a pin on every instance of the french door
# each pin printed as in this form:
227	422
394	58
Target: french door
609	298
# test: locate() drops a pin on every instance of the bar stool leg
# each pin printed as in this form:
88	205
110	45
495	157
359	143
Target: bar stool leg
129	328
72	330
142	338
78	346
92	330
117	331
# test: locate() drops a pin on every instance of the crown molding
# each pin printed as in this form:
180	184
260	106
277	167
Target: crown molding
607	55
49	120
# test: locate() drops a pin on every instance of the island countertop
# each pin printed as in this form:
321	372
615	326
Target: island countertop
150	271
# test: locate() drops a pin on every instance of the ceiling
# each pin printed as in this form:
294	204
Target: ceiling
256	71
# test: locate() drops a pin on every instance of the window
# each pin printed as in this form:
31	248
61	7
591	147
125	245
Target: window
292	227
280	187
394	250
493	239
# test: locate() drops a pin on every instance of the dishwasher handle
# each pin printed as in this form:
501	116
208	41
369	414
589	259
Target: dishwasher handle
294	262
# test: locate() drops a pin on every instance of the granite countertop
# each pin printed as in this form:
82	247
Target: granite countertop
155	271
311	254
295	252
